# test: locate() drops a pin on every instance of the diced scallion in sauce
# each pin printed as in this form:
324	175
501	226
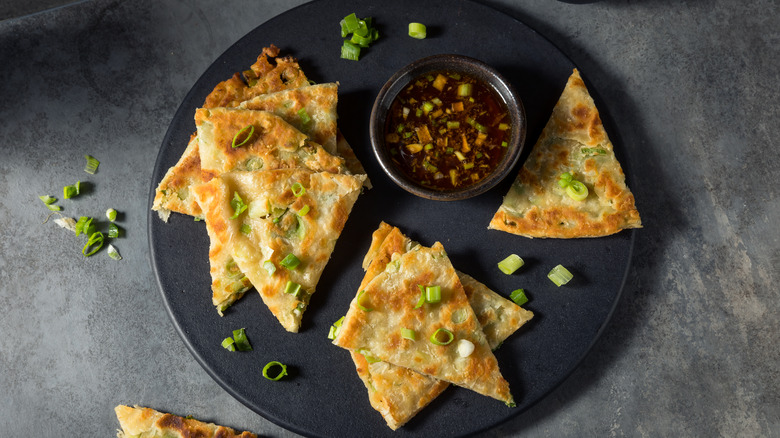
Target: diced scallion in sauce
446	130
510	264
560	275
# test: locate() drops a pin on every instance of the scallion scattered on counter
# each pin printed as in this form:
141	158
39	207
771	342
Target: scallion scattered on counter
560	275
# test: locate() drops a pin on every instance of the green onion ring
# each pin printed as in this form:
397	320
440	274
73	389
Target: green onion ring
251	130
435	336
420	301
272	364
298	189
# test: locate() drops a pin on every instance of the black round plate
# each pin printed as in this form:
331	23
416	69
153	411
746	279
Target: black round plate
323	395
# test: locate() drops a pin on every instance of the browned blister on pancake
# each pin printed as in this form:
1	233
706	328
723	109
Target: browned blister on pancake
278	223
391	297
140	422
574	141
272	144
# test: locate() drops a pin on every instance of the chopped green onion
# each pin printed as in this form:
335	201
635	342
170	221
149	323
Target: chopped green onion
69	191
350	51
92	165
504	144
48	199
350	23
518	297
359	301
242	343
300	230
298	189
427	107
305	119
229	344
303	211
94	243
420	301
408	334
464	90
269	365
370	358
577	190
238	205
593	151
437	339
292	288
111	214
503	126
510	264
113	230
417	30
84	226
565	179
334	328
560	275
290	261
245	228
113	253
270	267
232	269
453	125
433	294
247	132
53	207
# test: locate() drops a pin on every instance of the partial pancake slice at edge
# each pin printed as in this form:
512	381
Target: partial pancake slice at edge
141	422
173	192
573	141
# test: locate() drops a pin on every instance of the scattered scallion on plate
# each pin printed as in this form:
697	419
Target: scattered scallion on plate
560	275
111	214
418	31
334	328
274	364
518	296
360	34
113	253
242	343
510	264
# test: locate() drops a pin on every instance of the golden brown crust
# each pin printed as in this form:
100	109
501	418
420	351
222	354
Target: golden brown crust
173	192
275	144
392	296
574	140
140	422
276	230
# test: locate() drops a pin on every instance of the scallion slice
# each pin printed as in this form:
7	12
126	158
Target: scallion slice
269	266
69	191
303	211
298	189
370	358
350	51
48	200
577	190
292	288
334	328
518	296
111	214
92	165
272	364
245	228
560	275
53	207
229	344
433	294
83	224
304	116
94	243
290	261
464	90
417	31
246	132
113	230
510	264
442	336
238	205
408	334
420	301
242	343
113	253
360	300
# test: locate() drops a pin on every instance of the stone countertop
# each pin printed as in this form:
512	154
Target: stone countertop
692	349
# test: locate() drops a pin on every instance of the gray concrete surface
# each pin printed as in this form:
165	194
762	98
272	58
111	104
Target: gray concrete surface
692	349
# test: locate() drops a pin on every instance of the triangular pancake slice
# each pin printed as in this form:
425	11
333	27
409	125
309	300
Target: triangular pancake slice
269	74
399	393
290	211
574	141
386	306
273	143
140	422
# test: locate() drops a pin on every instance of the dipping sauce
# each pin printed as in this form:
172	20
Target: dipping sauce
447	130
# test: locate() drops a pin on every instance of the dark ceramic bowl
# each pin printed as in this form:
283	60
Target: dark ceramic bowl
466	66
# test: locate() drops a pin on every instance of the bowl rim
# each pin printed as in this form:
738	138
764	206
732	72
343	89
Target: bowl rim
458	63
